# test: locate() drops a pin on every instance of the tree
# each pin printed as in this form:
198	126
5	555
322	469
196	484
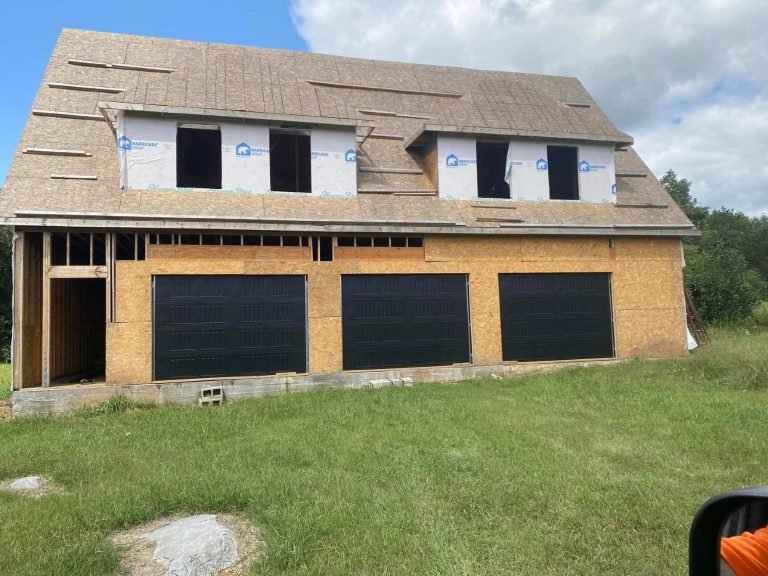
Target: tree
680	190
720	280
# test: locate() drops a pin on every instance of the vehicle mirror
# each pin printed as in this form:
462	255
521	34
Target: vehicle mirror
729	535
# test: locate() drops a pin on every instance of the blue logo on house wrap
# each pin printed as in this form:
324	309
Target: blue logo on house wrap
452	160
350	156
541	165
242	149
583	166
124	143
613	190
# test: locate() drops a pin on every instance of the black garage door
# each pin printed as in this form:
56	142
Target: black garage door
394	321
208	326
555	316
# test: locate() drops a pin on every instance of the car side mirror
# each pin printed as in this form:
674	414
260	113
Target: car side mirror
729	535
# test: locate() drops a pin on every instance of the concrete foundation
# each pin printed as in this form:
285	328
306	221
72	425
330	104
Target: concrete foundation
61	399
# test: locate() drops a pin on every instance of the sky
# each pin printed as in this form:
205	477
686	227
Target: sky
687	78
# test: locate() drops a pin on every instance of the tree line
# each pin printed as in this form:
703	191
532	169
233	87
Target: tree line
726	269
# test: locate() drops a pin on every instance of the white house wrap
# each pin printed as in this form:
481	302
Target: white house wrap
597	175
245	158
526	171
334	162
457	167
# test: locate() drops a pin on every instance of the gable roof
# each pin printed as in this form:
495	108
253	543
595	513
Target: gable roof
92	74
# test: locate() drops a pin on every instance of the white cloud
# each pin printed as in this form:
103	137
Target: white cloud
701	63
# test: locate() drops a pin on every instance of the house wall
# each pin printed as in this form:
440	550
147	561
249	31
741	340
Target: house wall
647	290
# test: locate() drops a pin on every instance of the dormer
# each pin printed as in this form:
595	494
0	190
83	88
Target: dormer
245	156
480	168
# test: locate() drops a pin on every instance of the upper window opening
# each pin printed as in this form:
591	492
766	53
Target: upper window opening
289	162
491	168
563	172
198	157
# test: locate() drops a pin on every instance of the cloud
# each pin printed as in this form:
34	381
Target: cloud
687	78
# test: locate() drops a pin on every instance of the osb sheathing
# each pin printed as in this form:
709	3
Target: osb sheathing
646	284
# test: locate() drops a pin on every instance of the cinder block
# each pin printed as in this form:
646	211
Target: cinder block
407	382
397	381
380	383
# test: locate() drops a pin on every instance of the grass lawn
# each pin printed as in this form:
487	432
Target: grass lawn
585	471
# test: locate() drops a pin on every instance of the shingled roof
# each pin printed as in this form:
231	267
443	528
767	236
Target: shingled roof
93	74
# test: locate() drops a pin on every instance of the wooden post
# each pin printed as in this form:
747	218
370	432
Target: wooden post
46	357
17	381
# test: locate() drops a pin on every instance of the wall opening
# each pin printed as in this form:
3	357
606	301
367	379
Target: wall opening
77	330
322	248
491	166
289	162
198	157
563	172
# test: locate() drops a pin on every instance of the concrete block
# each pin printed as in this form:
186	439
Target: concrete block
407	382
380	383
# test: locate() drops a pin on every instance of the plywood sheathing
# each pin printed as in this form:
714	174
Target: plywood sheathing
646	282
235	78
28	288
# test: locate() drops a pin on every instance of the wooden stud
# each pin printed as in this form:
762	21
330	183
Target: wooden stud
109	282
17	382
46	357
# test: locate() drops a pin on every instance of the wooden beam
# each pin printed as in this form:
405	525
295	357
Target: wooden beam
73	177
117	65
46	357
77	272
73	115
384	170
56	152
85	88
17	382
383	89
109	282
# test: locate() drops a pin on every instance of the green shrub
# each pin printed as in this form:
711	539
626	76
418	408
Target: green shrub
761	313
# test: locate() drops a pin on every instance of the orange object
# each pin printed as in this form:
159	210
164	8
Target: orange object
747	555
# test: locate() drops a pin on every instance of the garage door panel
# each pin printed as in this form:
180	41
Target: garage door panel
555	316
226	326
393	321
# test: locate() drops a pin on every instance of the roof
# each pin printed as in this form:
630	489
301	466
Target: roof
91	74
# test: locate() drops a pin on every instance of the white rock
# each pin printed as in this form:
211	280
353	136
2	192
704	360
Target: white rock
26	483
194	546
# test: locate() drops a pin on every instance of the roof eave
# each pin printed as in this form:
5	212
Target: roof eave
217	114
619	139
32	218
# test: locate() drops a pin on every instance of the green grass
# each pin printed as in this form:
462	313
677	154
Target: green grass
585	471
5	381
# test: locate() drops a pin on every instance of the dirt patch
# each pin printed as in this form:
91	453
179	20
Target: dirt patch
5	410
138	551
31	487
